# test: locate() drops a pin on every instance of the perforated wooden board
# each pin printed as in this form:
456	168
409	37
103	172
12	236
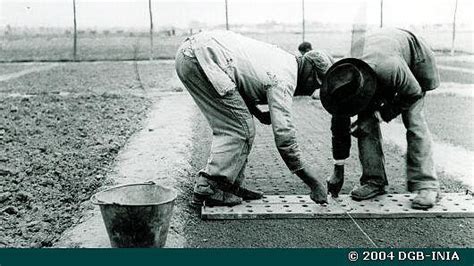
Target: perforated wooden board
301	206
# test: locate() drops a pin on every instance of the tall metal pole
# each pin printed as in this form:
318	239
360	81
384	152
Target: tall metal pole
303	22
454	27
151	29
74	47
226	16
381	13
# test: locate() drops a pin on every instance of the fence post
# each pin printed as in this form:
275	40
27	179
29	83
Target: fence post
381	13
303	22
74	47
226	16
454	27
151	29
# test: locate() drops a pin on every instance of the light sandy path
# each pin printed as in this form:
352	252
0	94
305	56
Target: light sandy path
160	152
457	89
32	69
455	160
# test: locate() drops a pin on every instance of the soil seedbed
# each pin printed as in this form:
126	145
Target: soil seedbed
57	152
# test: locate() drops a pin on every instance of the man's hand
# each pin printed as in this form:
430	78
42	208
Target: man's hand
389	112
264	118
318	191
362	128
359	129
336	181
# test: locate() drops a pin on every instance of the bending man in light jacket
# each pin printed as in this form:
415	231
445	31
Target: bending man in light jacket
228	76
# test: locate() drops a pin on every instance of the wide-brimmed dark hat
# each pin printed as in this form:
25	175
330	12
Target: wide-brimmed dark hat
348	87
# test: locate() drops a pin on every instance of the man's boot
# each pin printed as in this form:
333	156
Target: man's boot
245	193
207	192
367	191
425	199
248	194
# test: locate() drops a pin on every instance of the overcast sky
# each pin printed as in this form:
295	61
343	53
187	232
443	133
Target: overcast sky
134	13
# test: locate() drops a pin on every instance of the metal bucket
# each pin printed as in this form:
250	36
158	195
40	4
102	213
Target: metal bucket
136	215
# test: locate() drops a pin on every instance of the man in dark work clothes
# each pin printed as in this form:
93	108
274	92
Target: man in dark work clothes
387	74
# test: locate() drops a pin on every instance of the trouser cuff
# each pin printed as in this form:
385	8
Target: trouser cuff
373	180
418	185
219	182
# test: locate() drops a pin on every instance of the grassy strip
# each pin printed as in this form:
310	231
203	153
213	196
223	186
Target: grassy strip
116	47
457	63
97	78
11	68
450	119
456	76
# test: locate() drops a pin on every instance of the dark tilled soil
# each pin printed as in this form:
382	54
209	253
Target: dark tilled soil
57	152
58	148
59	142
267	173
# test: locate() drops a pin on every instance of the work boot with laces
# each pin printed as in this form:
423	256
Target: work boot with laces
207	193
367	191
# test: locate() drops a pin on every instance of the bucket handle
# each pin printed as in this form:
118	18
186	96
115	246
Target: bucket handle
96	201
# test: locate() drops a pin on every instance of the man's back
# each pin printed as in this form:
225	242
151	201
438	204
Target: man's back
399	58
251	65
382	43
